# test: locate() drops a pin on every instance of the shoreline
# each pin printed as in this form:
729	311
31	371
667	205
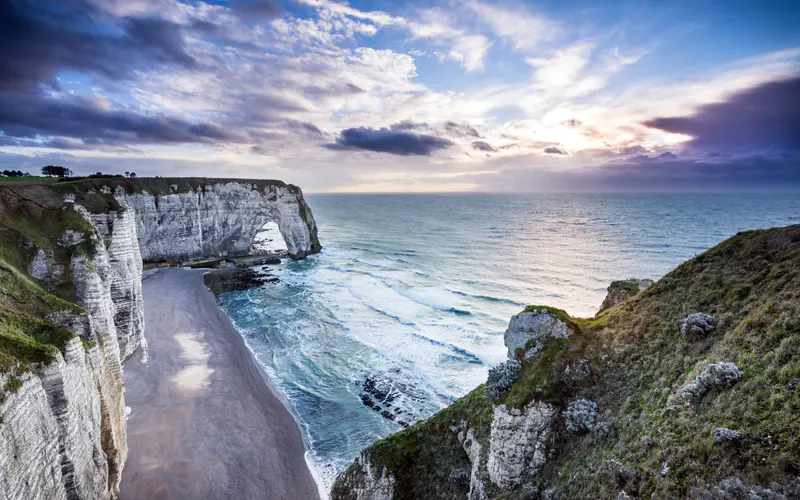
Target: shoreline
205	421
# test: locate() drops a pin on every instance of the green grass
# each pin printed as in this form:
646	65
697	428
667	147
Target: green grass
639	361
40	180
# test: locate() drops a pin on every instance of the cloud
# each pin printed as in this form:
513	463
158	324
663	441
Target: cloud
471	51
555	150
483	146
761	119
668	156
31	116
461	129
385	140
258	9
39	39
524	29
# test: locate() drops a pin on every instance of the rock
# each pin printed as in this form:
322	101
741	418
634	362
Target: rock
734	488
518	442
619	291
71	238
220	220
580	416
717	376
534	326
647	441
501	378
723	434
44	267
371	486
477	490
697	324
623	496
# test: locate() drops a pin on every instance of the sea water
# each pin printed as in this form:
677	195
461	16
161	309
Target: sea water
405	308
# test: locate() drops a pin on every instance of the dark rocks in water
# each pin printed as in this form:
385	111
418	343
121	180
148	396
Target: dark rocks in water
225	281
385	395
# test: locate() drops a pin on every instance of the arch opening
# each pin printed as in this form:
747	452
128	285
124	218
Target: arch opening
269	241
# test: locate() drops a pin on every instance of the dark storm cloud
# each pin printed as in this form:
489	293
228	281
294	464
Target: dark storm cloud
28	116
483	146
39	39
461	129
668	156
763	118
262	10
389	141
555	150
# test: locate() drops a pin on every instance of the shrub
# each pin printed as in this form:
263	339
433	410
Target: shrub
501	377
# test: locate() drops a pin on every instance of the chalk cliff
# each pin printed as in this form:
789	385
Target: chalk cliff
71	309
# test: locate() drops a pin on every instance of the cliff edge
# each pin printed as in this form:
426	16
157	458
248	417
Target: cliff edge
689	388
71	308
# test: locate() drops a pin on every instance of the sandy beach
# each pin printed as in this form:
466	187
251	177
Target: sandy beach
204	423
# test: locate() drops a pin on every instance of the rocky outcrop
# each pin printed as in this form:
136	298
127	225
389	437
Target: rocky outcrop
716	377
364	484
530	329
518	443
620	290
221	220
697	324
477	490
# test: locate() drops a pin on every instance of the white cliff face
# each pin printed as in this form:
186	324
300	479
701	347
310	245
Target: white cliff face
118	231
518	442
50	442
220	220
474	452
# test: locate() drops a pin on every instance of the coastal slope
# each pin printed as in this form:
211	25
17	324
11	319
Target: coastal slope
687	389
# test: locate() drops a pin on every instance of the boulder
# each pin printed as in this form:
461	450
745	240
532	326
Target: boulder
532	327
518	442
717	376
697	324
620	290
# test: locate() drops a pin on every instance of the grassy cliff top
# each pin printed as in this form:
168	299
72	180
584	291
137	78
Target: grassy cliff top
88	191
639	361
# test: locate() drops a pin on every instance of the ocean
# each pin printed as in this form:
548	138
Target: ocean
405	308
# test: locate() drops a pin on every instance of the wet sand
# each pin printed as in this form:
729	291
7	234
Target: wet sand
204	423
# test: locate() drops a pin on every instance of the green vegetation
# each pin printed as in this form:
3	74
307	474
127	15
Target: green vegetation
13	385
25	337
638	361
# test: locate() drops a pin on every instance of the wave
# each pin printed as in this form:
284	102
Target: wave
465	354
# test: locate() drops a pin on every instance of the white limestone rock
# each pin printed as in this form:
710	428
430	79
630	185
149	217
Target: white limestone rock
537	325
221	220
372	486
518	442
697	324
44	267
477	490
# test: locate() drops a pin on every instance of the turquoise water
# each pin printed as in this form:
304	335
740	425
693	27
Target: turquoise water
405	309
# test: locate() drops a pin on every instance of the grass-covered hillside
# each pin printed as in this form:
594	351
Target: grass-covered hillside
26	229
649	442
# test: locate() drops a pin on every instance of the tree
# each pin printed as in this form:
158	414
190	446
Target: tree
132	175
127	174
55	170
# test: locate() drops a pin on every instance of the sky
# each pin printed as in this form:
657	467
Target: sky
408	96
